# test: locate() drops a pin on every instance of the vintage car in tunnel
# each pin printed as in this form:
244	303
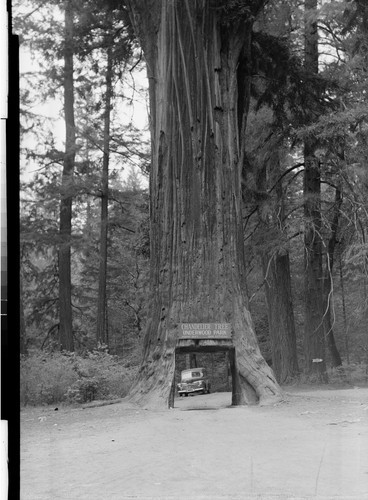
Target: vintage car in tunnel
192	381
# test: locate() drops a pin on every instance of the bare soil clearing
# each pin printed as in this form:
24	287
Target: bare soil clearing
313	446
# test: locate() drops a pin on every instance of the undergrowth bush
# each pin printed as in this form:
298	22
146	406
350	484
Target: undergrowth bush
49	378
354	374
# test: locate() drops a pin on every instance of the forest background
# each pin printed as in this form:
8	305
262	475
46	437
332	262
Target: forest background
85	201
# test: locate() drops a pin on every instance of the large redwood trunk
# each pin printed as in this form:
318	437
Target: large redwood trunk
281	317
197	262
276	269
314	340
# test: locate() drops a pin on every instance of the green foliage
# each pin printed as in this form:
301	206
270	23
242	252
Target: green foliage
44	378
127	272
237	12
50	378
98	26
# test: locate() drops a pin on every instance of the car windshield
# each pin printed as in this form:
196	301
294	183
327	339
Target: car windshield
191	374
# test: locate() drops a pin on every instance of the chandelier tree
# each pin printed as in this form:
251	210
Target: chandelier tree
198	56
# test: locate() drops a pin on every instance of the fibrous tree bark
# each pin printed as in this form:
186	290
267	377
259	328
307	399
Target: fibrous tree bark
281	317
277	282
65	291
343	306
314	340
102	336
318	283
193	51
335	357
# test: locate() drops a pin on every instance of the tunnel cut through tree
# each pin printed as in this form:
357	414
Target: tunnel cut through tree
197	54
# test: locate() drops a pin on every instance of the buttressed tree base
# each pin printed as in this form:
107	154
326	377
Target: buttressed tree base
197	54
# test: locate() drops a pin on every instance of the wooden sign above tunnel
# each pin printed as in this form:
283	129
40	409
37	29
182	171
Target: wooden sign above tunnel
204	331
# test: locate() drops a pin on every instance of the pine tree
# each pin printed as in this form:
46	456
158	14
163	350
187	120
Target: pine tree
65	285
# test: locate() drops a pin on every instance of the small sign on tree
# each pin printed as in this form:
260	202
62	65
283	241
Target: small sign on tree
204	331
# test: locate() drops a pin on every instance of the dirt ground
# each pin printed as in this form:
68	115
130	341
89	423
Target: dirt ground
312	446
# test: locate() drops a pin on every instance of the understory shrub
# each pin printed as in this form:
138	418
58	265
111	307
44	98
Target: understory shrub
354	374
49	378
44	378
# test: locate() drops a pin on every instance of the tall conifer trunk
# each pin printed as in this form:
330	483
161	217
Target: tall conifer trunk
281	318
277	280
65	293
102	278
318	284
314	340
22	321
197	261
335	357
